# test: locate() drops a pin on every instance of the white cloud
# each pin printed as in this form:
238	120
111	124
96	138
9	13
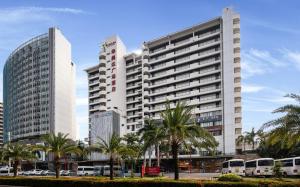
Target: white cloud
272	26
251	88
23	14
293	57
135	50
259	62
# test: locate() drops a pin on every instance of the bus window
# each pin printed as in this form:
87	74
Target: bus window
225	165
297	162
287	163
236	163
251	164
265	163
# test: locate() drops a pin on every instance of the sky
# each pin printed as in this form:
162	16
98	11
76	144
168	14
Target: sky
270	40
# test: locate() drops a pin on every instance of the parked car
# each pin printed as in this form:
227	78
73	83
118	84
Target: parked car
68	173
33	172
47	173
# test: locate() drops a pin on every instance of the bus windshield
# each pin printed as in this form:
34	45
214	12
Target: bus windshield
236	163
265	163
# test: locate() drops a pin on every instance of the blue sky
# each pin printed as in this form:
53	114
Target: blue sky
270	34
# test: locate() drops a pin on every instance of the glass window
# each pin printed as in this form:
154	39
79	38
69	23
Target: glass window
297	162
225	165
266	162
287	163
236	163
251	164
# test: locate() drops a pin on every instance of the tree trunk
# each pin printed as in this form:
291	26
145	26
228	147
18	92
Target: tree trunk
175	160
15	168
111	168
149	154
132	172
57	167
157	155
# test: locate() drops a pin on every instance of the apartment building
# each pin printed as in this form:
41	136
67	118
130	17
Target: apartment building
39	89
199	65
1	124
107	88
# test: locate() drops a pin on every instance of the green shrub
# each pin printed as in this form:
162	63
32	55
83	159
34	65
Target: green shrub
230	177
104	182
230	184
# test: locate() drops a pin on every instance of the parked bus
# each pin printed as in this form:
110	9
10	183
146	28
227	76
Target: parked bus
290	166
6	171
85	171
117	170
98	170
259	167
236	166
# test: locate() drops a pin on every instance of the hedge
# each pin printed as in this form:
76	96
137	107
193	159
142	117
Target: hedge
93	182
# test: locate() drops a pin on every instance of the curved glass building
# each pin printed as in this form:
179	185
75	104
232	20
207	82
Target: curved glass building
39	90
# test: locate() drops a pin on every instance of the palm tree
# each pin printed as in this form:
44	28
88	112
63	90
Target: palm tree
16	153
241	140
59	145
250	137
152	134
84	151
288	126
133	150
113	147
180	130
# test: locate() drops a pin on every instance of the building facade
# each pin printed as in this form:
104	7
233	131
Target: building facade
39	88
107	88
1	124
103	125
199	65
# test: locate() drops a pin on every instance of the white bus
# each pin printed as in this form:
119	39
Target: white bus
6	171
85	171
236	166
98	170
290	166
259	167
117	170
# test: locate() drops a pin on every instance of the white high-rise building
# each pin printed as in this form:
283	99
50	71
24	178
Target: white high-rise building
199	65
39	89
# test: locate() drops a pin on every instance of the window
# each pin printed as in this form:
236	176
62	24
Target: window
237	89
225	165
297	162
265	162
236	163
237	70
287	163
237	80
251	164
237	109
237	99
238	120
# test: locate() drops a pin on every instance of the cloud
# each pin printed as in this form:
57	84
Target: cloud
273	26
259	62
293	57
251	88
137	51
25	14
